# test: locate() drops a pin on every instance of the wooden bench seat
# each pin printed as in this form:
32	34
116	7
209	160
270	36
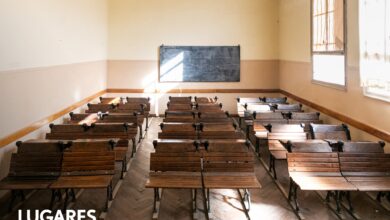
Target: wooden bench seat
179	170
275	100
304	118
180	107
178	131
209	107
86	168
286	108
181	100
122	131
179	116
331	133
100	107
35	166
367	171
230	170
243	100
277	133
98	118
230	180
219	131
317	171
171	146
175	180
257	107
140	100
362	147
205	99
111	100
218	126
205	135
127	108
236	146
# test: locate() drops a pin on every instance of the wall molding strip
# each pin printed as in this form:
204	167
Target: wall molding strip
38	124
384	135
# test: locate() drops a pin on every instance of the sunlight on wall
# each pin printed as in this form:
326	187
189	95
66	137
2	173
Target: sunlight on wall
172	71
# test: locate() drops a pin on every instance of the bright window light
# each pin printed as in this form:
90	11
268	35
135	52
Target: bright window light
329	69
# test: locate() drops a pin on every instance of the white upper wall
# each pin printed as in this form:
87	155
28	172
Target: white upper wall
137	28
37	33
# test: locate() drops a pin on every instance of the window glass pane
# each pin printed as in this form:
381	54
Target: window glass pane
329	68
374	48
328	25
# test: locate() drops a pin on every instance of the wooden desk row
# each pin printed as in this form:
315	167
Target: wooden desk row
75	154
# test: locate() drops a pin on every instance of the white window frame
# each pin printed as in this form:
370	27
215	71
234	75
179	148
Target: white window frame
344	52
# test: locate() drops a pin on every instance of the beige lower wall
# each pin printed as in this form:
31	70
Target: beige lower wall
143	74
295	77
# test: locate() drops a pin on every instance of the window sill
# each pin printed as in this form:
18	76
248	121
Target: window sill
330	85
376	96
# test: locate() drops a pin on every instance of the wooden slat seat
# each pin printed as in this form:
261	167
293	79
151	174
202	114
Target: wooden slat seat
111	100
285	108
35	166
214	115
256	127
178	131
174	170
133	107
275	100
255	107
37	161
305	118
210	117
230	170
83	118
82	182
367	171
87	168
140	100
307	146
122	131
233	146
209	107
205	135
179	107
100	107
174	180
362	147
231	180
182	100
98	118
316	171
281	132
171	146
179	116
332	133
243	100
218	126
205	99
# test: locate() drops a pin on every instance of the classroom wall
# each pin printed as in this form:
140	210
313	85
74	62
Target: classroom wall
52	55
296	75
136	30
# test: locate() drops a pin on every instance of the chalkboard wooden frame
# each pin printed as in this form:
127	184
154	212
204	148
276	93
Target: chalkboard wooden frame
199	63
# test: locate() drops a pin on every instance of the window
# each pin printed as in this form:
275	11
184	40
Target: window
328	42
375	48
